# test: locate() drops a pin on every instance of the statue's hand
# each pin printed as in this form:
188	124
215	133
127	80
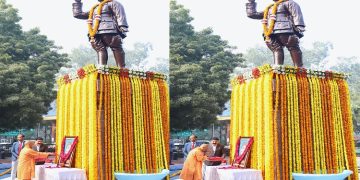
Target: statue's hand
123	29
300	28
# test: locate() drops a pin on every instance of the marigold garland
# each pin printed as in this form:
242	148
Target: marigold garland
348	127
314	121
275	128
78	124
269	133
253	119
122	122
269	29
93	30
84	123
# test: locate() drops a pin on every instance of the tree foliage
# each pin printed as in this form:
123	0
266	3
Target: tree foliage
259	55
351	65
28	64
138	59
200	64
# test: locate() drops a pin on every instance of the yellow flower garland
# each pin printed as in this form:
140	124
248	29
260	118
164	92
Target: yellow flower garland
259	138
234	115
93	153
269	30
84	123
275	128
269	131
78	126
253	121
246	111
93	30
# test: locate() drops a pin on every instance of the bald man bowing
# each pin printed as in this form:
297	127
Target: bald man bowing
192	169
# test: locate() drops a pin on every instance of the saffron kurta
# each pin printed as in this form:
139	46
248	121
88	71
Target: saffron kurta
26	166
192	169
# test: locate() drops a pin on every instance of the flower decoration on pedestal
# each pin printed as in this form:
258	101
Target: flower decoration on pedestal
81	73
256	73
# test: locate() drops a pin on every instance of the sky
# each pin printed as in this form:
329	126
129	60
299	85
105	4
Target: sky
148	22
333	21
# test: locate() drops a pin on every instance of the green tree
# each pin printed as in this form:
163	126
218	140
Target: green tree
138	59
351	65
259	55
28	64
200	64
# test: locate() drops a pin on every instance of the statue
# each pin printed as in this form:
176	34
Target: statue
107	27
283	25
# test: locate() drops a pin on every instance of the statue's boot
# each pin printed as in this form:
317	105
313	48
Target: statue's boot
102	57
296	56
279	57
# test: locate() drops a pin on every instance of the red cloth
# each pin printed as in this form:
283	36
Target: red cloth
193	146
20	147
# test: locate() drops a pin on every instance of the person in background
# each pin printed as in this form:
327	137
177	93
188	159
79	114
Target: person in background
192	169
26	164
190	145
172	148
217	150
39	147
15	151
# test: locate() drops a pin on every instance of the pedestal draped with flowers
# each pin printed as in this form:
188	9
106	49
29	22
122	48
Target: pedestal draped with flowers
300	120
121	118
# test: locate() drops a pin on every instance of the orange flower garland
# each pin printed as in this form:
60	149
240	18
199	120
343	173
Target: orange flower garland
284	130
308	123
302	115
275	128
348	127
326	119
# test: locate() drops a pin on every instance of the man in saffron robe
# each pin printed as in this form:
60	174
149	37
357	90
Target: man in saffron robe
26	164
192	169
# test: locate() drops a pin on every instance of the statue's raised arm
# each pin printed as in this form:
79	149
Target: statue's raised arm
252	12
77	10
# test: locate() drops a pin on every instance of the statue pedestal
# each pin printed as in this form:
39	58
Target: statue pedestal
121	118
300	120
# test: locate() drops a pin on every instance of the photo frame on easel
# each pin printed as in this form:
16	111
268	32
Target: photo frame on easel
242	152
67	153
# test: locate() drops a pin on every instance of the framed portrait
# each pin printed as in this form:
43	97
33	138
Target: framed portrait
68	147
242	152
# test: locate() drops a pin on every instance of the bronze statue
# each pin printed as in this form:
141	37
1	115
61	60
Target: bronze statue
107	28
283	26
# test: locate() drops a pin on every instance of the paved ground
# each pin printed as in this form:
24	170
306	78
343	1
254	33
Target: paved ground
5	164
175	167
